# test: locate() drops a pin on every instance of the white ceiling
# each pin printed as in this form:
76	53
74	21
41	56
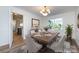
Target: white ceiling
54	9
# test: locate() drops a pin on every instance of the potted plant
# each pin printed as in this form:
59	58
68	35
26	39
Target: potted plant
69	32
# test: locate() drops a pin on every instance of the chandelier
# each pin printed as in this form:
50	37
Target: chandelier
45	11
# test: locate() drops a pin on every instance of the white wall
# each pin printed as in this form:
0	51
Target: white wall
27	17
6	20
6	28
4	25
68	18
77	29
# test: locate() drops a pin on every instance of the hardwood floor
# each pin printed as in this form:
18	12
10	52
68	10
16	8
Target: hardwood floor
17	39
75	46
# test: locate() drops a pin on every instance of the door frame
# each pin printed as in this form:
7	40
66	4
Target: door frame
11	26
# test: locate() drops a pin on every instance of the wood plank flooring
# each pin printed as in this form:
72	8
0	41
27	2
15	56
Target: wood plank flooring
17	39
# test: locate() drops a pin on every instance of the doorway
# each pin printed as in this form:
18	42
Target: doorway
17	23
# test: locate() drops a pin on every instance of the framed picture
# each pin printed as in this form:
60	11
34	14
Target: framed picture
78	21
35	23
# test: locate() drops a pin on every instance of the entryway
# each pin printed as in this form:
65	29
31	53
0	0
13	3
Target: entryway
17	23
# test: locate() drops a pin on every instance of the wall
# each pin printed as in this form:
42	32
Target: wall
4	25
77	29
27	17
6	28
6	22
68	18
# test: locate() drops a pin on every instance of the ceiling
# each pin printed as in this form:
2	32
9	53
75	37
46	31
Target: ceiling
54	9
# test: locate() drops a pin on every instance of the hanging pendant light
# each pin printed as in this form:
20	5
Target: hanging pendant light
45	11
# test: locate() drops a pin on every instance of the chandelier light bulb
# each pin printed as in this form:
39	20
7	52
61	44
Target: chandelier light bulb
45	14
45	11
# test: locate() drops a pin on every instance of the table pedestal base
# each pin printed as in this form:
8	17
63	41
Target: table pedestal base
45	49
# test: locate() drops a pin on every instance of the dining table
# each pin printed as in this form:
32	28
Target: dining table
45	38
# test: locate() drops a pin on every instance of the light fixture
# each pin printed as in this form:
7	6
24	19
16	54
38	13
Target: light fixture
21	24
45	11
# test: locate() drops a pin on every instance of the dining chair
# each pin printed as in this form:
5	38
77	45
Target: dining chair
32	46
67	48
58	46
51	30
32	31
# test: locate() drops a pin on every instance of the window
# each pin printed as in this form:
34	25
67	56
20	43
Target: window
56	23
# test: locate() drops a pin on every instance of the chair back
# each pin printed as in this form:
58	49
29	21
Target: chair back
32	46
59	46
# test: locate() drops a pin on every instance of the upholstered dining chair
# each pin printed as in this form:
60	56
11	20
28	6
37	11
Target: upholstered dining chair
67	48
32	46
58	46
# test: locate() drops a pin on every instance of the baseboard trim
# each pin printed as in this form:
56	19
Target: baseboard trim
4	47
